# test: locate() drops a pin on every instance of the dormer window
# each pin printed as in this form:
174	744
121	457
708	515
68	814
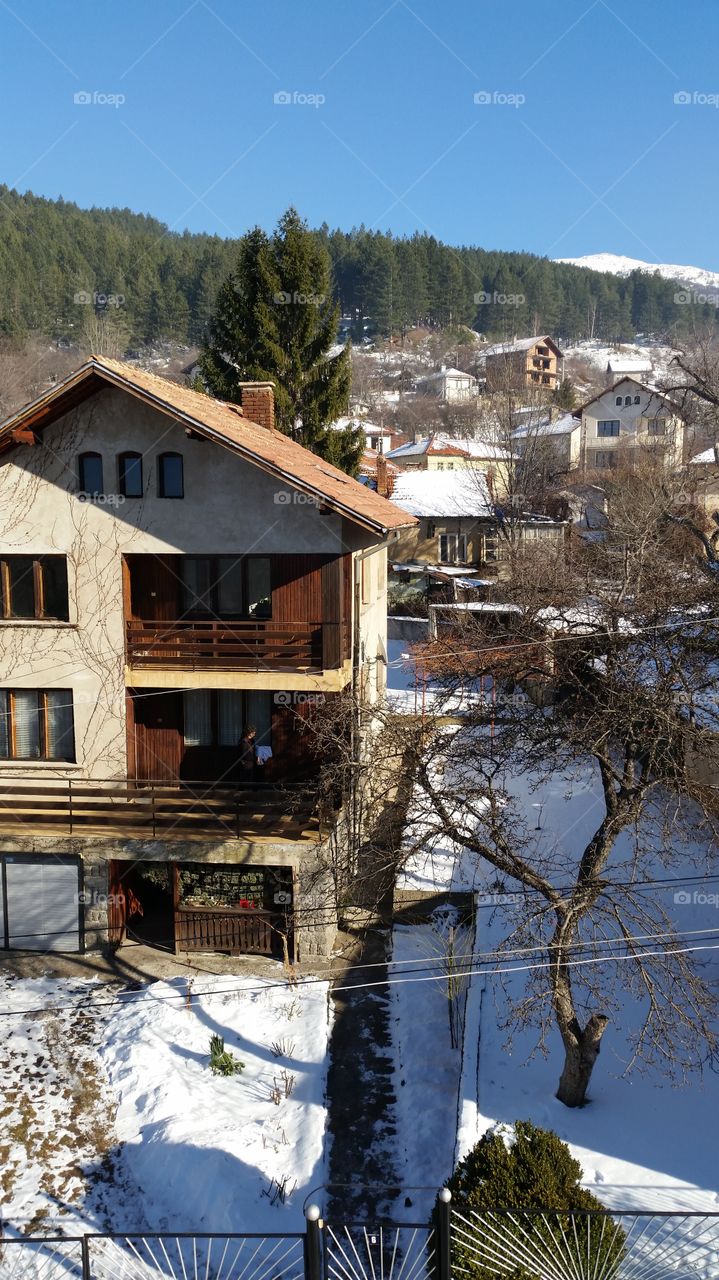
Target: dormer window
90	474
130	474
170	478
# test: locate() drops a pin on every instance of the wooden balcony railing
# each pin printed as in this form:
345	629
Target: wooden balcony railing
242	646
229	929
156	809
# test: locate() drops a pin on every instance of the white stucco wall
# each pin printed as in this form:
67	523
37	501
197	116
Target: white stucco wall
633	419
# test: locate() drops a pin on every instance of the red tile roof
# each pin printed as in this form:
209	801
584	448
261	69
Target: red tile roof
226	424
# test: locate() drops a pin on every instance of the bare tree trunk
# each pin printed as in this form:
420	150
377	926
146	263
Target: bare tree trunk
581	1049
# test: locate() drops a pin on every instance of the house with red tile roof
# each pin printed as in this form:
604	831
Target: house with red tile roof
181	586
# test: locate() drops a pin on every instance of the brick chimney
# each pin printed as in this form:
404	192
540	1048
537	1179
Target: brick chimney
258	403
385	478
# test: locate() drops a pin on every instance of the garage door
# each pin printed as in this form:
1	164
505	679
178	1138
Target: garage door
40	902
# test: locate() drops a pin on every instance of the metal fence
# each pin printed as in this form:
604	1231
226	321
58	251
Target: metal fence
458	1242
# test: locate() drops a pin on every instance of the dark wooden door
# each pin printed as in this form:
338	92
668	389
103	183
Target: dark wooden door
159	742
155	587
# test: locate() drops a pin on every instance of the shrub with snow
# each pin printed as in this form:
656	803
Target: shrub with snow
528	1168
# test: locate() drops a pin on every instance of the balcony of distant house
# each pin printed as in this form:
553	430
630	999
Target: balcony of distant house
273	616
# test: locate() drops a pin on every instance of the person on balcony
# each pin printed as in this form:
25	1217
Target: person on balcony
250	763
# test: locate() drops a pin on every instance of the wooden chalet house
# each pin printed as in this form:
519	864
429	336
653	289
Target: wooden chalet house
173	569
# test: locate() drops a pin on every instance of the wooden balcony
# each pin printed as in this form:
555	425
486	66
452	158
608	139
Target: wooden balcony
238	646
156	810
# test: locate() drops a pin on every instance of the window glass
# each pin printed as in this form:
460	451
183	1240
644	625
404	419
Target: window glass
54	587
60	732
91	473
608	428
131	475
197	718
26	724
229	586
171	475
4	725
259	587
258	711
196	585
230	717
22	586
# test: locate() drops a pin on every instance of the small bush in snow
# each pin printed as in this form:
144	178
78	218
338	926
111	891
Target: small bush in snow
530	1168
282	1048
222	1062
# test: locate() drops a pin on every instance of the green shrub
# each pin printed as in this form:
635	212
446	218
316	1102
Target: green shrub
533	1169
223	1063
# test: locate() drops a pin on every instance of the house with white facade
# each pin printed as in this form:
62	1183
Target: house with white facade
627	417
557	436
449	385
181	584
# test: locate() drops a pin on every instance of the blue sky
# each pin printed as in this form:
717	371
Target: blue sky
580	148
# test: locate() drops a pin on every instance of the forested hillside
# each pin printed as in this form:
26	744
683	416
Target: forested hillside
57	261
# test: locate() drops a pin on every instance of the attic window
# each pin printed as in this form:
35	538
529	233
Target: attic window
170	478
90	473
130	474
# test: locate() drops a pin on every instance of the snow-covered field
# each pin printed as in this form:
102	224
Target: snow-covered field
643	1142
112	1118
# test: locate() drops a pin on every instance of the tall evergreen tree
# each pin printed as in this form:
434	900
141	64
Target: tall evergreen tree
276	320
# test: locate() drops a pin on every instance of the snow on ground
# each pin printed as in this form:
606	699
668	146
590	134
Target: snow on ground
113	1118
427	1068
642	1142
598	353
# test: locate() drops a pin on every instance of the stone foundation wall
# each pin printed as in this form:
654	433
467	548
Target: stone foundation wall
314	897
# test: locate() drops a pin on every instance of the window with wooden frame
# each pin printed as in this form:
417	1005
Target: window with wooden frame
452	548
170	476
36	724
90	474
129	468
34	587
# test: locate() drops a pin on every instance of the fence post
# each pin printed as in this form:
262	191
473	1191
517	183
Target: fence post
85	1252
69	804
313	1245
444	1235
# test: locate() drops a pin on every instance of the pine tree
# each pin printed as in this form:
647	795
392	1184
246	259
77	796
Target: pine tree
276	321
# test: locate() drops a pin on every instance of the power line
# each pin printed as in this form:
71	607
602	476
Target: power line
637	957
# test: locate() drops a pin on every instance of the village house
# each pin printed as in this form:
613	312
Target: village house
174	572
557	437
702	476
451	386
627	416
459	526
525	362
441	452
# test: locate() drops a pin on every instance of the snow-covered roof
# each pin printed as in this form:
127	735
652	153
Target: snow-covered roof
628	364
447	373
560	427
443	493
369	428
708	457
520	344
443	445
